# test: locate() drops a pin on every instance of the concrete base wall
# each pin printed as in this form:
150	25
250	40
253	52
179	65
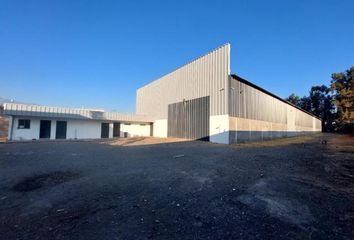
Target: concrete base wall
244	130
219	129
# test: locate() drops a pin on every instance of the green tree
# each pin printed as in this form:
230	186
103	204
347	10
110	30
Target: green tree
321	105
294	99
303	102
342	85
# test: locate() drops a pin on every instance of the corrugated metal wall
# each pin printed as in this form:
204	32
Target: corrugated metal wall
302	119
189	119
318	124
44	111
205	76
248	102
60	112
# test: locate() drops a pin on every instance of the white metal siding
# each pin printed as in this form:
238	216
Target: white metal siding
205	76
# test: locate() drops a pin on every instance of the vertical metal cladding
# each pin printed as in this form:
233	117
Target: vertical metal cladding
248	102
251	103
318	124
189	119
303	119
205	76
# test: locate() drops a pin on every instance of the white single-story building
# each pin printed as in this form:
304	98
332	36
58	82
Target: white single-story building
32	122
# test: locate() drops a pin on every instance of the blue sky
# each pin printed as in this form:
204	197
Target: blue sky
97	53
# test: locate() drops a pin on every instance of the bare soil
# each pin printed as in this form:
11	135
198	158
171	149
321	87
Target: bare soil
4	128
151	188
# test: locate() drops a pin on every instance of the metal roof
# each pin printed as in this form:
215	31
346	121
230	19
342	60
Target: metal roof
16	109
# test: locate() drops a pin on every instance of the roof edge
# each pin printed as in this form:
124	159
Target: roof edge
236	77
186	63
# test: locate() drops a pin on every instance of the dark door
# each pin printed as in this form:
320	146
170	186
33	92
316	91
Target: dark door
60	130
104	130
151	129
44	129
189	119
116	129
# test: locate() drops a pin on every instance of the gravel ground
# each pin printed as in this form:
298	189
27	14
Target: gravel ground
148	188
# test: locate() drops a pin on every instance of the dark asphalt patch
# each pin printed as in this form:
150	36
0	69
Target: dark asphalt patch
43	180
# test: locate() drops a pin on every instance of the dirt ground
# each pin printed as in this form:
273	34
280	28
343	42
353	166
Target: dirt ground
4	127
149	188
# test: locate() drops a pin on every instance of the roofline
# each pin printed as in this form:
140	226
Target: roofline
271	94
18	109
183	65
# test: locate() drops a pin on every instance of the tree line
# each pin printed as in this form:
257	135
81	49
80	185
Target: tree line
334	104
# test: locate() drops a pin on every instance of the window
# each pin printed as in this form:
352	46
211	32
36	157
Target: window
24	123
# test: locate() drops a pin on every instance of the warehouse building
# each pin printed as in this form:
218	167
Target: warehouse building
200	100
203	100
